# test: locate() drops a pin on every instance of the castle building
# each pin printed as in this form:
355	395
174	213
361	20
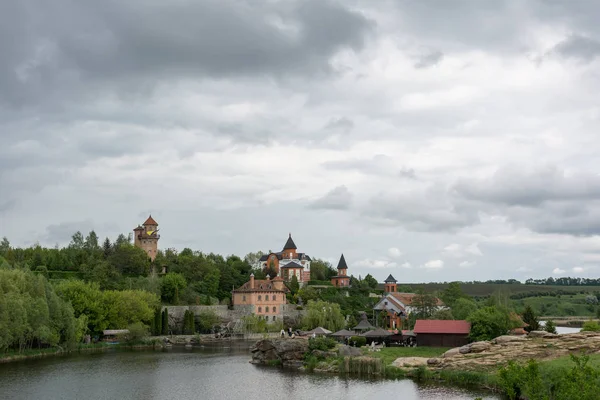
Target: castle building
341	279
146	237
397	306
264	298
288	262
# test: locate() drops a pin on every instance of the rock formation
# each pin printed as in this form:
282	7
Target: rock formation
288	352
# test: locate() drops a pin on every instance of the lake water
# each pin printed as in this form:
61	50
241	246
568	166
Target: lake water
561	330
193	374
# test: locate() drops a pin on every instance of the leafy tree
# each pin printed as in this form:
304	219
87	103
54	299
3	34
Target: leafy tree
157	322
371	282
206	321
107	248
77	241
4	246
294	286
324	314
172	285
165	321
490	322
321	270
590	326
451	294
444	314
463	307
270	269
253	258
530	319
550	326
130	260
425	304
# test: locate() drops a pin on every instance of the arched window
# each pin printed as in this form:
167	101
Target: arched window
259	309
259	297
244	298
274	297
274	310
267	309
274	317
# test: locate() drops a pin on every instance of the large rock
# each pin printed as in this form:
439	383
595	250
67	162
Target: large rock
452	352
349	351
287	351
410	362
508	339
478	347
541	334
464	349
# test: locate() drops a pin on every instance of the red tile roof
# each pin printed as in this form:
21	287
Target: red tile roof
408	298
150	221
442	326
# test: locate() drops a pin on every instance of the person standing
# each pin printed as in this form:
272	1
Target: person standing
282	333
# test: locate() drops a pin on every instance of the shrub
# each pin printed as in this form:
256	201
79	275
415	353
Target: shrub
591	326
137	332
358	341
550	326
321	343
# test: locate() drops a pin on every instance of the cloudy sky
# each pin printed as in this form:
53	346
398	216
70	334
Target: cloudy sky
431	139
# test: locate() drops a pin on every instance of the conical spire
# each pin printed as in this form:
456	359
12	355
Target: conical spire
150	221
342	263
390	279
290	245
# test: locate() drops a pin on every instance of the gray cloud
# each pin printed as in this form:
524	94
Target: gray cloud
339	198
380	164
114	41
578	47
343	123
429	59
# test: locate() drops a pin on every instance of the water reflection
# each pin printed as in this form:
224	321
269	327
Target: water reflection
199	374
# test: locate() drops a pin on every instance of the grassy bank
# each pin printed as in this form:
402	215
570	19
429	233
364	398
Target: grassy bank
389	354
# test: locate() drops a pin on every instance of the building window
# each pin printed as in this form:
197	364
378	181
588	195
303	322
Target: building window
274	310
259	297
259	309
274	297
267	309
274	317
244	298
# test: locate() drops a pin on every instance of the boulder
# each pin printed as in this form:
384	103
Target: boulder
465	349
508	339
410	362
478	347
541	334
452	352
288	351
434	361
349	351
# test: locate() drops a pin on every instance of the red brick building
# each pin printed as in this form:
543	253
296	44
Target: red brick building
341	279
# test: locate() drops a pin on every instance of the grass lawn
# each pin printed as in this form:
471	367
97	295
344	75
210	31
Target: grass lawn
565	362
389	354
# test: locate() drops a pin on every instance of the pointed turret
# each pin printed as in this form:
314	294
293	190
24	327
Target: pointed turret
390	285
342	263
290	245
150	221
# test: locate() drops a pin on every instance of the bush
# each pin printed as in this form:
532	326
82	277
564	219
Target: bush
550	326
591	326
321	343
137	333
358	341
206	320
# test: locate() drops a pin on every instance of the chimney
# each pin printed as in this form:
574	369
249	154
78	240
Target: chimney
251	281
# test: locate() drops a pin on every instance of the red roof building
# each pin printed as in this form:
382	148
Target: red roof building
442	333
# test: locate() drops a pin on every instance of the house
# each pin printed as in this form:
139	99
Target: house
397	306
288	262
341	279
442	333
146	237
264	298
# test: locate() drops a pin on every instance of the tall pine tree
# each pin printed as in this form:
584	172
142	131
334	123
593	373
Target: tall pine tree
165	322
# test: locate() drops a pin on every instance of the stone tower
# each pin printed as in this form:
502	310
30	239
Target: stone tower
146	237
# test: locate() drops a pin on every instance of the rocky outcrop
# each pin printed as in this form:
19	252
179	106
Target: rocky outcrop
349	351
410	362
489	355
288	352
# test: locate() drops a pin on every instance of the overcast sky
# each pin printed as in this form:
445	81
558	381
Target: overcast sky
430	139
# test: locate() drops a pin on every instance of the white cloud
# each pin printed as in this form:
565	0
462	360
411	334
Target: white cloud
524	269
460	251
467	264
434	264
394	252
558	271
406	265
578	270
375	264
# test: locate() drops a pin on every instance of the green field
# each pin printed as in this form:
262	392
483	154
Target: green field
389	354
487	289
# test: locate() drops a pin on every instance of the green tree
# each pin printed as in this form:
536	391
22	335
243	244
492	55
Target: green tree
530	319
107	248
157	322
425	304
206	321
490	322
172	285
550	326
324	314
371	282
165	321
270	269
463	307
444	314
321	270
451	294
130	260
294	286
4	246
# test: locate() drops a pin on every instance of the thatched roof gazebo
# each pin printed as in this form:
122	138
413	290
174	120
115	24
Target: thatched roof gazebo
344	333
364	324
377	333
319	331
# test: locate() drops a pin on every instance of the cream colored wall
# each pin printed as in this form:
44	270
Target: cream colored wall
266	300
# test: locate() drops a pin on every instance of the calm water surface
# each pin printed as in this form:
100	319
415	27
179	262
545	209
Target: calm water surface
193	374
